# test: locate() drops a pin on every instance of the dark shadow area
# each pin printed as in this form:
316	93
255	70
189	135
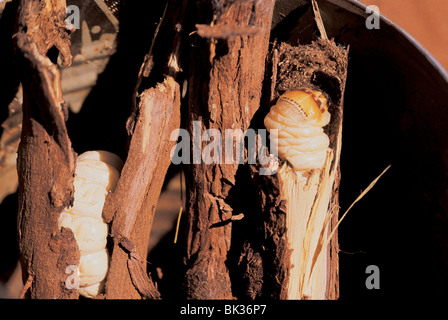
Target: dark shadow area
298	24
8	236
101	123
388	119
248	240
9	78
395	225
391	227
165	263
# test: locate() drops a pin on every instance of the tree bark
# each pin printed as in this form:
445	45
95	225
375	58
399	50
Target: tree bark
131	207
45	157
225	84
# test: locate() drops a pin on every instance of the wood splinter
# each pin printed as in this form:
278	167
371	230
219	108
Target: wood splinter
308	117
299	117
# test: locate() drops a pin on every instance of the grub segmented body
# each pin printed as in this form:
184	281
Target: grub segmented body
96	175
299	116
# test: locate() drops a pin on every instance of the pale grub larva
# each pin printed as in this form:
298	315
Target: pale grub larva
96	175
300	116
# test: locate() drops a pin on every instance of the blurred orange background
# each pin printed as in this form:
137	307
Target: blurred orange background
425	20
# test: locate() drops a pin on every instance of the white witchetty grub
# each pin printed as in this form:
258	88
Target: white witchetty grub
96	175
300	116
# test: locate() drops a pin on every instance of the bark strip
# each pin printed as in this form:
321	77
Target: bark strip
45	158
225	86
132	206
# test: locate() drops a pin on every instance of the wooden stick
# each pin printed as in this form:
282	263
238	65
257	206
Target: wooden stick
307	209
305	204
137	192
131	207
46	160
26	286
319	22
224	93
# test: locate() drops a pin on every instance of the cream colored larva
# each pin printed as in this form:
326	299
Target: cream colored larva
96	175
300	116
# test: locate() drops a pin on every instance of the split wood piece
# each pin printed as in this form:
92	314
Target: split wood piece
225	86
131	206
46	161
284	199
311	206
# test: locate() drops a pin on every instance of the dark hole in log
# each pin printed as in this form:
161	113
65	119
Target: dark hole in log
53	54
222	48
329	85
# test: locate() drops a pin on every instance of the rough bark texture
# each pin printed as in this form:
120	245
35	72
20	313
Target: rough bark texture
273	250
131	207
225	85
333	259
45	157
